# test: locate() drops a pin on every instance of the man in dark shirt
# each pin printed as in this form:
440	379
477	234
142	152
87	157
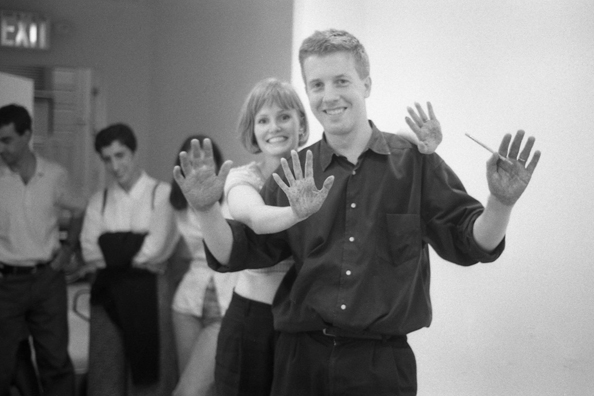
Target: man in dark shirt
360	282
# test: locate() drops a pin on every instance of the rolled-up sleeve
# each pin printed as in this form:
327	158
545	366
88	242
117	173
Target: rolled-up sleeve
250	250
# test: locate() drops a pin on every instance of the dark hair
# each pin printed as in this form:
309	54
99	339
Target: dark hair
120	132
177	198
330	41
17	115
266	92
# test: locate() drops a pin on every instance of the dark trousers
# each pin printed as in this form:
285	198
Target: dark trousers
245	349
314	364
25	376
36	304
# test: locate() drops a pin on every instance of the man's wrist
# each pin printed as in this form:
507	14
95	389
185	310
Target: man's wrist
499	203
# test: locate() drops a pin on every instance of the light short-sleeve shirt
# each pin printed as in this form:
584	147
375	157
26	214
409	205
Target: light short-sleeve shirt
30	213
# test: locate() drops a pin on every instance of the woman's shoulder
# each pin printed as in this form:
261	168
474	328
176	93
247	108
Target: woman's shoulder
248	169
245	174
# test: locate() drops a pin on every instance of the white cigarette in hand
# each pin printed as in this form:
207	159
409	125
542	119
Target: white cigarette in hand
491	150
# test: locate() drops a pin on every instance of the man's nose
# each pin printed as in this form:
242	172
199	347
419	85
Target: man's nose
113	165
330	94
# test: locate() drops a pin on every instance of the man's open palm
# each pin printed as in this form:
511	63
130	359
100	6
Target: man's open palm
304	197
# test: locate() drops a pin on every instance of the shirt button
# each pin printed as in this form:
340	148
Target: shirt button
354	173
348	272
352	239
343	307
353	205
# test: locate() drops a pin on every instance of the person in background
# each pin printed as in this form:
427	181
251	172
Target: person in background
33	298
272	123
360	279
128	235
200	300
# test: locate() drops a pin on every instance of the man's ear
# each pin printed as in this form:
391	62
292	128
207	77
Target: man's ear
367	83
28	134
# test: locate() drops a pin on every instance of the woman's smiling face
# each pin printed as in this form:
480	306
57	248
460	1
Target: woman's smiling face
277	130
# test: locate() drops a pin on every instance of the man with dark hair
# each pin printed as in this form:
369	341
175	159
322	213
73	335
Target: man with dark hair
128	234
360	282
33	297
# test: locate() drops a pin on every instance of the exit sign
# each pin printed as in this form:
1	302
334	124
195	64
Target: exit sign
24	30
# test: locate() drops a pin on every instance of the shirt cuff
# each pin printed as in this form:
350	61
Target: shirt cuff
238	250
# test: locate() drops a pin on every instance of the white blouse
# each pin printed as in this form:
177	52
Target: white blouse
145	208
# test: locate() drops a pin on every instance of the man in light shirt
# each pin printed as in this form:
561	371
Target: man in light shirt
33	297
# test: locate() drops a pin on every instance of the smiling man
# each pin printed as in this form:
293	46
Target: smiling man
360	282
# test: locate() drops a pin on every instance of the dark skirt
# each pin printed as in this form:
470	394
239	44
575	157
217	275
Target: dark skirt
245	349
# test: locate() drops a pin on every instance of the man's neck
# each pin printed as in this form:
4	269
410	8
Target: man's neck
128	186
25	167
350	145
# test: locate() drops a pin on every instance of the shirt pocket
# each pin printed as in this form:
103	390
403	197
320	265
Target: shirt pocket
399	239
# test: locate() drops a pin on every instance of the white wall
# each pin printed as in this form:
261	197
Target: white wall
524	324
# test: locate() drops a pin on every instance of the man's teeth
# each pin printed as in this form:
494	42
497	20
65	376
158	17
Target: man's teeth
334	111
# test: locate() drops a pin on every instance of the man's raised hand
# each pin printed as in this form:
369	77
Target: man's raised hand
197	175
304	197
508	182
427	129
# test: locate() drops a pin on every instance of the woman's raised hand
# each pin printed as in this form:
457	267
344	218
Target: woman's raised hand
197	176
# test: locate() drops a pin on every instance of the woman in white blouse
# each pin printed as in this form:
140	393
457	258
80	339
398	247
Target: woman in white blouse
200	301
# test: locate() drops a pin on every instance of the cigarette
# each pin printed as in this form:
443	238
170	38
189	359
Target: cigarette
501	157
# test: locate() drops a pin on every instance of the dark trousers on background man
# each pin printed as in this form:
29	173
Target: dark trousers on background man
35	303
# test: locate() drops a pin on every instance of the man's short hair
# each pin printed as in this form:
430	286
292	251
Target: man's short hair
330	41
17	115
116	132
266	92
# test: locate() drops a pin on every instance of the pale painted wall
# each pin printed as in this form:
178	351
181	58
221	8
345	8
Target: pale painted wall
22	87
524	324
207	56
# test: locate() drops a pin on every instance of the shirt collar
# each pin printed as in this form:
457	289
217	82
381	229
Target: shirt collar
40	166
137	189
377	143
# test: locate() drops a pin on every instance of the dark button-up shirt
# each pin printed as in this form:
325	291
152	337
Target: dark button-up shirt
362	261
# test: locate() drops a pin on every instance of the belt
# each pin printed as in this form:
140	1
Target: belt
335	332
7	269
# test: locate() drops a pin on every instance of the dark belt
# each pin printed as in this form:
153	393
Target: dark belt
7	269
335	332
